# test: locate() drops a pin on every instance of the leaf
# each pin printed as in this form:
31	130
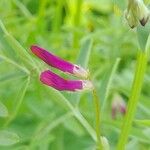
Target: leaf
143	35
45	129
83	60
106	82
73	125
3	110
14	64
19	51
8	138
85	52
65	103
136	132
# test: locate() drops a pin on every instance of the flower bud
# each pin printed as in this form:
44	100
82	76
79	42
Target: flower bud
143	13
137	12
132	21
118	106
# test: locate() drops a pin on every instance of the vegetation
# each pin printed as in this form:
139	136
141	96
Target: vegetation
95	35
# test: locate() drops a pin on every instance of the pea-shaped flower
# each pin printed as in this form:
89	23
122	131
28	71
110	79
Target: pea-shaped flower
59	63
53	80
118	106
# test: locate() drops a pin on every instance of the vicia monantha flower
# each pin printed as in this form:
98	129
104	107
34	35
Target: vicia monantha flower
59	63
51	79
118	106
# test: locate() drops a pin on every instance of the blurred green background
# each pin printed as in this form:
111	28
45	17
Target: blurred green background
91	33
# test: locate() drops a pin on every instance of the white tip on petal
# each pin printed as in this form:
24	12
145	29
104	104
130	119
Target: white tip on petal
87	85
80	72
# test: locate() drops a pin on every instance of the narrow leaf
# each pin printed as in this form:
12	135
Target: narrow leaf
106	82
83	60
85	52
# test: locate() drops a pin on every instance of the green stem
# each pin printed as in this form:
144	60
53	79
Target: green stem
77	17
41	16
58	16
97	115
42	8
133	100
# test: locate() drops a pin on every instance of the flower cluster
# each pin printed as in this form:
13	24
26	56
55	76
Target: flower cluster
137	12
53	80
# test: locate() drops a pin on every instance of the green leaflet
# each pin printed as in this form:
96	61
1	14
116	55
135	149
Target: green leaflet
83	60
106	82
8	138
85	52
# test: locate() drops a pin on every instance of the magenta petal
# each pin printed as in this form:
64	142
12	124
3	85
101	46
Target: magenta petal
52	60
51	79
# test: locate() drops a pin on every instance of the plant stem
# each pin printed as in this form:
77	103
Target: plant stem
97	116
77	18
58	16
133	100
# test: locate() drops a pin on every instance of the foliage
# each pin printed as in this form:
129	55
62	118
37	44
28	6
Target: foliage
33	116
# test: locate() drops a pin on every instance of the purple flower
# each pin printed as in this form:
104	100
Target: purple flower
118	106
51	79
59	63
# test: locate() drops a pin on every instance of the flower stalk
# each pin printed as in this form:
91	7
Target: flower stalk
97	119
133	100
